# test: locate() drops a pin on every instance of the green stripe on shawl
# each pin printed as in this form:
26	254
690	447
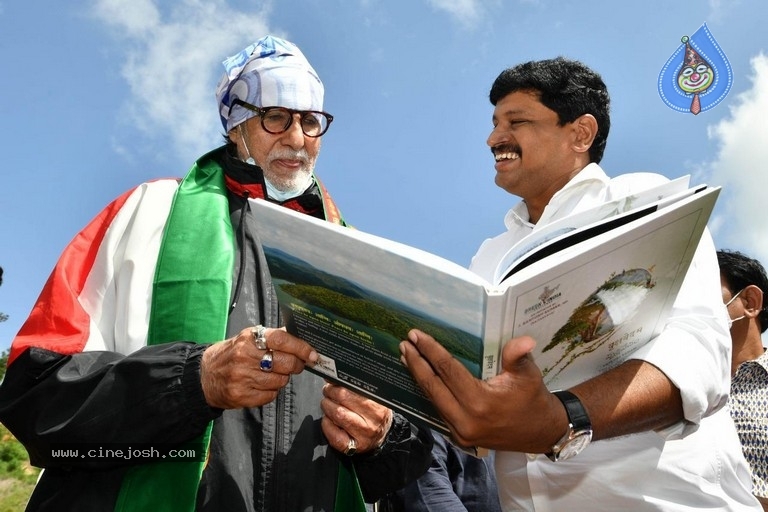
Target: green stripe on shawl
190	301
349	496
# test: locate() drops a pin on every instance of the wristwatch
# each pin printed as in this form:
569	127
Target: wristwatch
579	432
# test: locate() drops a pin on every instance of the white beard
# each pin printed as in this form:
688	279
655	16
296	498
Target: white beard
282	187
292	187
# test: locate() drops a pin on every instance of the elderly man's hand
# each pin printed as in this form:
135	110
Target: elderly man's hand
231	370
351	422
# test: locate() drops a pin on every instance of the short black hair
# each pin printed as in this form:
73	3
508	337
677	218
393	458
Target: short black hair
739	271
568	87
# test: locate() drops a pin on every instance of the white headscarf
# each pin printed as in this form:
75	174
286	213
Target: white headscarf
272	72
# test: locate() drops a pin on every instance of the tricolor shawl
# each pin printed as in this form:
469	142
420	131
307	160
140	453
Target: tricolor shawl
189	293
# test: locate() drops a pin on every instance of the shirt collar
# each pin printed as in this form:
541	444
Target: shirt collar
761	361
589	182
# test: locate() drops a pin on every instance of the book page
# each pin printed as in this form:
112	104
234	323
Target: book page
354	297
547	236
591	306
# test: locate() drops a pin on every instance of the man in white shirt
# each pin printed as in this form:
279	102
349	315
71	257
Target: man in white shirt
661	438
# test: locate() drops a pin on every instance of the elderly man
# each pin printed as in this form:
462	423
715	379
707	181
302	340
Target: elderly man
661	438
117	370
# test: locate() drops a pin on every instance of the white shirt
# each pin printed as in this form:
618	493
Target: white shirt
696	464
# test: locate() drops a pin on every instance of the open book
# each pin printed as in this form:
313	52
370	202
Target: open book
590	290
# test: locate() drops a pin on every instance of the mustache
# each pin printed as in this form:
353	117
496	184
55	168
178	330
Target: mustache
290	154
506	148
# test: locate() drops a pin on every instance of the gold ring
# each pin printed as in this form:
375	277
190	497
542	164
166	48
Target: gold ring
351	447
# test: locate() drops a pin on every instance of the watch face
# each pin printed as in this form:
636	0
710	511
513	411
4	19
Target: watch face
575	445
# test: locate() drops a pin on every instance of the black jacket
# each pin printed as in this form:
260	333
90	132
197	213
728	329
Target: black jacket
270	458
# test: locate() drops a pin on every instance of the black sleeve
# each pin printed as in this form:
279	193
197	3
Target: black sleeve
455	482
405	455
152	396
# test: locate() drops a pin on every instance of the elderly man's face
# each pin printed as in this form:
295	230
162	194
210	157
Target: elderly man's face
286	158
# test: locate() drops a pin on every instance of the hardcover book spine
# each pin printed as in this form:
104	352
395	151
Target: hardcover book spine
493	333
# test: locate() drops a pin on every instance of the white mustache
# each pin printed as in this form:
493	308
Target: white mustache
289	154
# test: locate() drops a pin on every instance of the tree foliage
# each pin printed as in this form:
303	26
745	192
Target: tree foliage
382	317
3	363
3	316
17	476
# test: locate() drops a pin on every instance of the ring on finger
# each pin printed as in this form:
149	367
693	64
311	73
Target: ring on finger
266	361
259	338
351	447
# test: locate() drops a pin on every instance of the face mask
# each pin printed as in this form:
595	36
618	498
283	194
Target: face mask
282	195
731	320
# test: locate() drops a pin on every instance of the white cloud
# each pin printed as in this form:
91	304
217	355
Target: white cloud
719	9
135	18
466	12
741	167
173	62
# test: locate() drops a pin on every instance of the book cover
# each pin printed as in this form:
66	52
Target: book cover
590	304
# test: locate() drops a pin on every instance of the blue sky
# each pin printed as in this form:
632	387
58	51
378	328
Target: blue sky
100	95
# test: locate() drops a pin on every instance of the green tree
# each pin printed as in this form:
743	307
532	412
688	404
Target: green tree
3	316
3	354
17	476
3	363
